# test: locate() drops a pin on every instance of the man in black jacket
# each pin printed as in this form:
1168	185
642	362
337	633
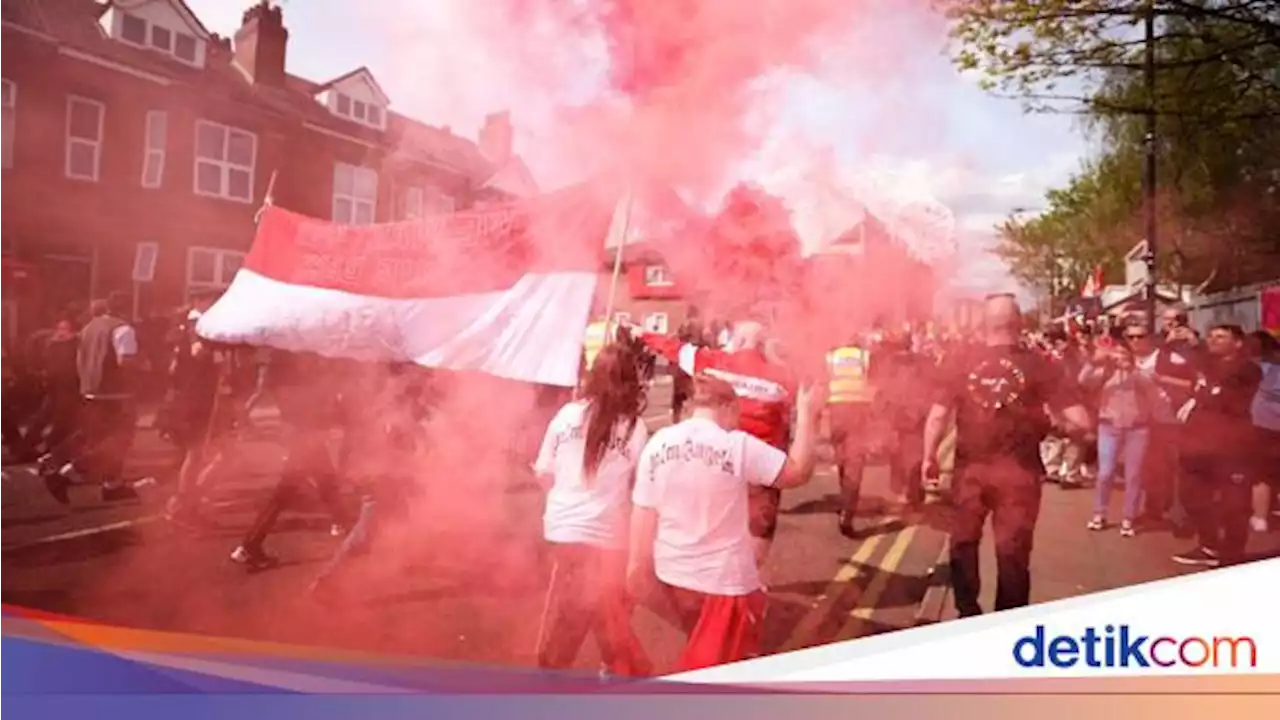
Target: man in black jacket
1218	435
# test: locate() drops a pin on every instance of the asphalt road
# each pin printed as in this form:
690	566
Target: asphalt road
465	579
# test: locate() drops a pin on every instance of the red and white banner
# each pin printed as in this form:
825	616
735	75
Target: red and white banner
504	290
1269	310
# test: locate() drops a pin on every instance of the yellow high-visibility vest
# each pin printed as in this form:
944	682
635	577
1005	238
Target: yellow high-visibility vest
848	367
594	341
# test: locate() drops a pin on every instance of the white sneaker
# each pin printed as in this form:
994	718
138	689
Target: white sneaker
1259	524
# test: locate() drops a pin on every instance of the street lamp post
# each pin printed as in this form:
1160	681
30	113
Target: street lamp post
1149	169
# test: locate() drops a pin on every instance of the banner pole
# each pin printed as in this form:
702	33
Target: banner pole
267	199
617	264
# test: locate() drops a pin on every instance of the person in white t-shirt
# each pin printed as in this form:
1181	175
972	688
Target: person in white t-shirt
690	522
588	461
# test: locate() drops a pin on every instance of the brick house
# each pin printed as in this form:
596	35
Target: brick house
139	146
649	293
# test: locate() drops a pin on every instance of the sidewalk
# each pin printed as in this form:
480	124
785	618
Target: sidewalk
1070	560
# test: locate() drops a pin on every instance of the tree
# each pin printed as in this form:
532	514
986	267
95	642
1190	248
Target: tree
1217	103
1053	54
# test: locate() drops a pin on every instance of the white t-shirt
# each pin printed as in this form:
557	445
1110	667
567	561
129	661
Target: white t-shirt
594	511
124	340
1163	412
695	475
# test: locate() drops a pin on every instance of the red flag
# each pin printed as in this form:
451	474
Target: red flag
1093	285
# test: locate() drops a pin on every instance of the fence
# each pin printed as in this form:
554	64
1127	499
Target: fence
1239	306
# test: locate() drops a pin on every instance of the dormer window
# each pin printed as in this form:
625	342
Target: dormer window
144	33
359	111
133	29
356	97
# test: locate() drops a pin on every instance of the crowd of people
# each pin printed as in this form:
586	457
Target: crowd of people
1190	425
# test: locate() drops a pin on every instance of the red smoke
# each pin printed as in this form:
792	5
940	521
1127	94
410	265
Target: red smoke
688	92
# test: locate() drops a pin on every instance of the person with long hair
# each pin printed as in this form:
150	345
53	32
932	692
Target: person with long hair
588	461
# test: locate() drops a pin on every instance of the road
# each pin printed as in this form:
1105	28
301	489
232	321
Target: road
465	581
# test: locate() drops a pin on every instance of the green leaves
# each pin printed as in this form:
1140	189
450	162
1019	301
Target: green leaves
1217	104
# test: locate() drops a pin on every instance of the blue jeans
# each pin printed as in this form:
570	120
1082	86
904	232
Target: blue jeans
1114	445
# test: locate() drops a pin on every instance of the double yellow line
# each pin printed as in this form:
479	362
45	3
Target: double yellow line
803	634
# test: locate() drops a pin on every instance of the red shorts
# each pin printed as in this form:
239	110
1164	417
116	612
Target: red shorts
728	628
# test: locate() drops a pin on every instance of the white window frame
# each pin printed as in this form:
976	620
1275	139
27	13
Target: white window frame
195	48
150	153
352	198
651	324
10	120
413	202
350	114
218	282
226	166
95	144
146	31
149	44
657	276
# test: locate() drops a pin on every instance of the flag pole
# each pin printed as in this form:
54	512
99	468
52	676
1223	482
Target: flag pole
268	199
617	262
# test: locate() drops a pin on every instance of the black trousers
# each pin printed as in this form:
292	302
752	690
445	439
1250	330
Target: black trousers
1216	490
307	463
849	423
587	594
1010	493
108	424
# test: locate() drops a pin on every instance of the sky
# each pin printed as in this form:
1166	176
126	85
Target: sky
888	120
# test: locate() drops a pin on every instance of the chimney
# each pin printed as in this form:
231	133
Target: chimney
496	138
260	44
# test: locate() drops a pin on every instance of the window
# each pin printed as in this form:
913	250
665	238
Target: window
133	29
412	203
656	323
10	116
224	161
84	138
656	275
143	33
355	194
211	268
161	38
153	152
144	261
358	110
184	46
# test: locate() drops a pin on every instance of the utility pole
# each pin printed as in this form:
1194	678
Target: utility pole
1149	169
